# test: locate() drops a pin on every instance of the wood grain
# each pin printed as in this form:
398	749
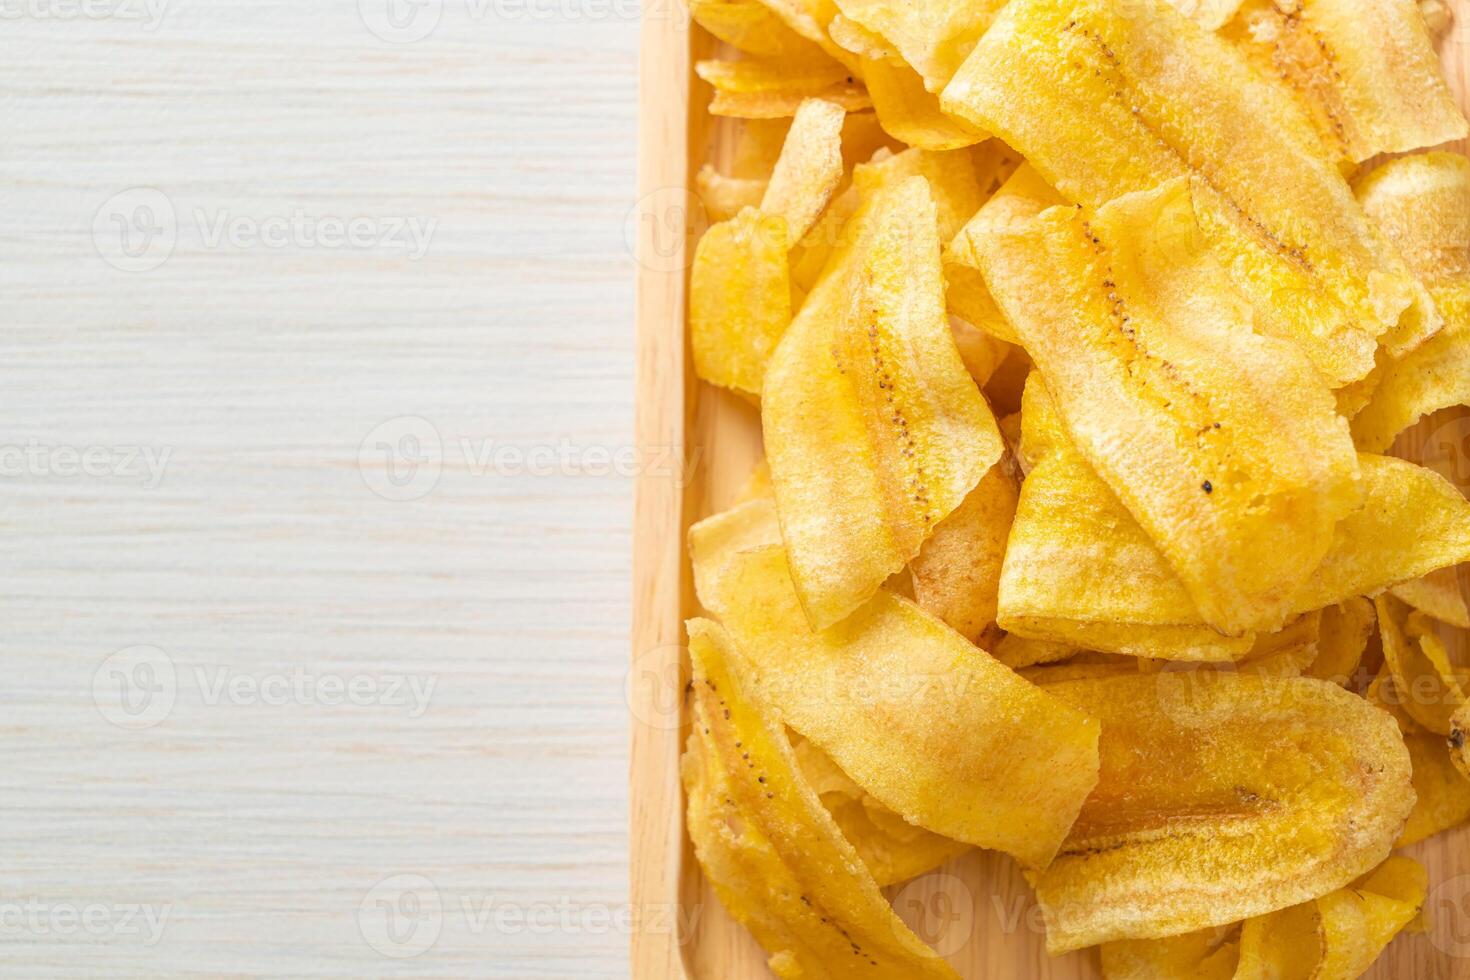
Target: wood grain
978	908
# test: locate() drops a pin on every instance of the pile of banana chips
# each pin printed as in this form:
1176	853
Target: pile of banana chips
1082	334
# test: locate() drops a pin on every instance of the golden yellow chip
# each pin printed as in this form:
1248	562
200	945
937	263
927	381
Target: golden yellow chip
874	430
716	540
934	36
1288	651
1205	954
774	87
1221	796
1438	595
1422	673
892	849
930	725
1105	99
751	27
812	19
1209	14
951	176
982	353
1422	204
739	299
910	112
724	197
1018	652
809	168
1223	444
1346	629
1365	72
957	572
774	855
1442	792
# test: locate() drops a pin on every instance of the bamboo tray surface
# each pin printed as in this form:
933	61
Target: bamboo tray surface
977	910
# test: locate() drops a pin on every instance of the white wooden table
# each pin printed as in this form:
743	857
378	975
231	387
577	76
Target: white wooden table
315	460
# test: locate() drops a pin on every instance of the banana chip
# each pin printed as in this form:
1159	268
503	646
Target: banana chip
1209	14
809	168
953	183
935	36
1422	673
1221	796
957	572
1346	629
774	855
874	430
892	849
752	28
1442	792
1335	937
724	197
910	112
1422	204
1222	443
1438	595
774	87
982	353
1366	73
715	541
1109	98
930	725
739	299
812	19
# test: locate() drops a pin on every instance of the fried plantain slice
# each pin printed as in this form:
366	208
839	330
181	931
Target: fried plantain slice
1442	793
812	19
1205	954
739	299
910	112
1106	98
770	88
957	571
929	724
1209	14
716	540
1422	673
752	27
1366	73
724	197
1438	595
1421	203
934	36
1223	444
874	430
953	183
774	855
893	849
1346	628
809	169
1221	796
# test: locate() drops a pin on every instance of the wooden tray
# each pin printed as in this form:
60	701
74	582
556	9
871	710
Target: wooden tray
977	910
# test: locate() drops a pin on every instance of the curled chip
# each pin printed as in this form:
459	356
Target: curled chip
1222	443
1422	673
1106	98
1346	629
715	541
1335	937
1422	204
812	19
773	87
935	36
724	197
957	572
982	353
952	183
1221	796
1366	73
1288	651
774	855
1438	595
893	849
739	299
910	112
927	723
751	27
1442	793
809	168
1023	196
874	430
